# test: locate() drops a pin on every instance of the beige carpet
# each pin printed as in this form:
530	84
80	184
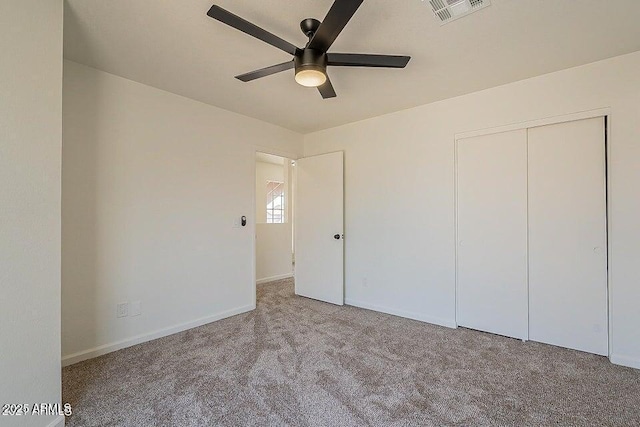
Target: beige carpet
300	362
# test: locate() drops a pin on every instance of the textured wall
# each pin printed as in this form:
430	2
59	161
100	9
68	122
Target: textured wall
30	146
399	200
152	185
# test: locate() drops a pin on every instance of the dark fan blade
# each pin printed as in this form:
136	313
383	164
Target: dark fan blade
326	90
216	12
264	72
365	60
338	16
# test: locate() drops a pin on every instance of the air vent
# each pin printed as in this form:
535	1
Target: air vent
450	10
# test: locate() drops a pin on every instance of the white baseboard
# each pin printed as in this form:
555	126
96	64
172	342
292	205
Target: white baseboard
119	345
402	313
58	422
273	278
630	362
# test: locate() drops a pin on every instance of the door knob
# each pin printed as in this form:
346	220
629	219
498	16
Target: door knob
336	236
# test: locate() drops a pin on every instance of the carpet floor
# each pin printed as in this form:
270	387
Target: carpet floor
299	362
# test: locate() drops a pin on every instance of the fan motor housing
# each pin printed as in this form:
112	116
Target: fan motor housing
311	59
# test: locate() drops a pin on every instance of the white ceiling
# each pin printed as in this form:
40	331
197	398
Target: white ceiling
173	45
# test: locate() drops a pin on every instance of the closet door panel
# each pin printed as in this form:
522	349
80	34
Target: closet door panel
567	236
492	233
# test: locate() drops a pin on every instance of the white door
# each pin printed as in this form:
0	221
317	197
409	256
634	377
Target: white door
492	233
567	236
319	212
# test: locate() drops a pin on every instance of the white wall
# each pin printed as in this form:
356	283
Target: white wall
152	184
30	144
399	178
273	252
273	241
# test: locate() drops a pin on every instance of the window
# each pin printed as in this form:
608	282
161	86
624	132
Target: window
275	202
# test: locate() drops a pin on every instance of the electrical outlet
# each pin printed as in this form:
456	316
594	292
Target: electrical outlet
122	309
136	308
365	283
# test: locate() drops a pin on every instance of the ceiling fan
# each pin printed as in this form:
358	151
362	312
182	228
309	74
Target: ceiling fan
310	62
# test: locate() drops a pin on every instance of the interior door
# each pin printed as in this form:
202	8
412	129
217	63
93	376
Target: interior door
319	219
567	236
492	233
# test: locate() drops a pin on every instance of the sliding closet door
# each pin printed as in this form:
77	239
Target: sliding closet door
567	236
492	233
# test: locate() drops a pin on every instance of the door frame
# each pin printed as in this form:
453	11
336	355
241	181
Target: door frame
605	113
252	221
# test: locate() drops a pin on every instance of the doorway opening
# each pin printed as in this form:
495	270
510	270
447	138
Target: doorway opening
274	218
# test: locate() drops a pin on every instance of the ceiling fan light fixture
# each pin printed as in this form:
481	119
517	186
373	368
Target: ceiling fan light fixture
310	77
311	68
310	62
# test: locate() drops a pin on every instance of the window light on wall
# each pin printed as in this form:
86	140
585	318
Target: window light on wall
275	202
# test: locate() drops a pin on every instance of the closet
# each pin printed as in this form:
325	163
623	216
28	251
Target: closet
531	230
